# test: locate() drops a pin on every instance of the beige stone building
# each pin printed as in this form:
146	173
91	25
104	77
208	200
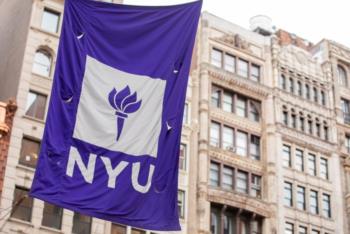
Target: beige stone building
265	141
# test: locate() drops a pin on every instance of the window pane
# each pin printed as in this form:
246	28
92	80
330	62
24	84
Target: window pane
182	158
343	80
294	121
312	164
230	63
52	216
229	227
289	228
302	230
81	224
326	205
255	73
228	138
291	85
313	202
242	182
302	124
255	189
300	88
215	97
241	107
315	95
347	143
301	198
36	104
255	147
299	160
323	98
242	143
214	174
307	91
227	102
243	68
215	134
185	116
29	152
286	154
315	232
283	81
24	205
285	118
215	221
288	199
255	109
324	168
118	229
227	180
50	21
181	203
216	58
42	63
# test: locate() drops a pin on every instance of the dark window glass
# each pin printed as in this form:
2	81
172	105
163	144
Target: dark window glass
323	98
283	82
52	216
294	121
302	123
255	147
215	97
307	91
289	228
255	184
255	109
22	205
81	224
315	95
302	230
36	104
347	143
215	221
345	106
300	88
118	229
29	152
285	118
291	85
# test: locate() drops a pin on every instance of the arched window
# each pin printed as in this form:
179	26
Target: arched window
42	63
283	82
291	85
342	77
300	89
293	119
285	115
325	131
309	125
315	95
323	98
301	122
307	91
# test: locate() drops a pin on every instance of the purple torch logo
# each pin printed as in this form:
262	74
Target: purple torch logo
124	103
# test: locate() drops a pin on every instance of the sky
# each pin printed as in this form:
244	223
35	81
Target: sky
310	19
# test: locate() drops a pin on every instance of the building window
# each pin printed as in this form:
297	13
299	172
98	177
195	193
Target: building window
347	143
254	110
283	84
291	85
228	138
215	97
36	105
137	231
215	134
343	79
315	95
299	160
255	147
118	229
255	73
255	184
181	203
345	106
323	98
326	205
228	224
307	91
315	231
289	228
216	57
285	117
324	168
81	223
243	68
301	205
300	89
286	154
227	104
241	143
318	129
313	202
185	114
214	174
242	182
50	21
29	152
182	157
309	126
52	216
312	164
215	221
42	63
325	131
227	178
302	123
294	121
288	194
23	204
241	106
302	230
230	63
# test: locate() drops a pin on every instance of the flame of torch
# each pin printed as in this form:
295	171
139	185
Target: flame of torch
124	103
